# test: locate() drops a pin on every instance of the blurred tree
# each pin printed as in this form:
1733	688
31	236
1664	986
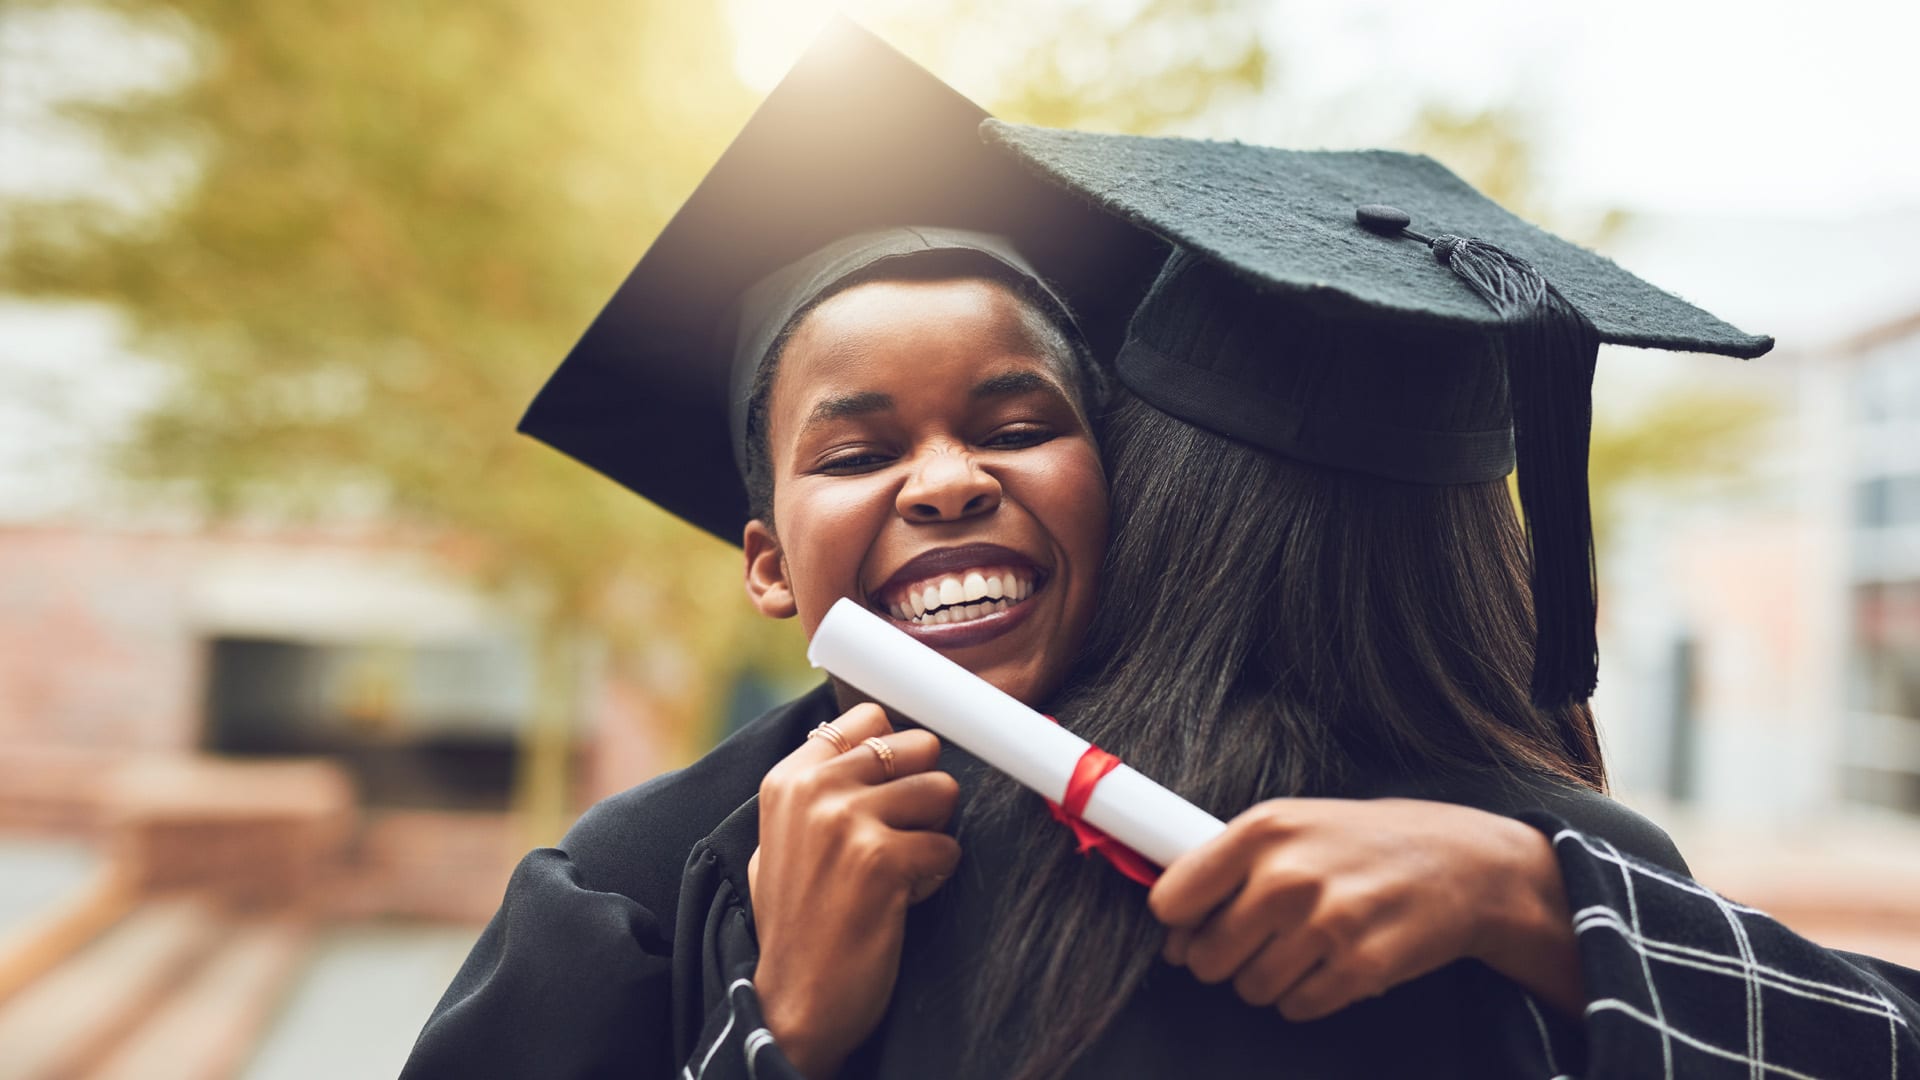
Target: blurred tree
397	217
1676	441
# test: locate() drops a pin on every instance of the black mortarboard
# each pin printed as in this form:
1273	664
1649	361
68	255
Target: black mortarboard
1371	311
857	139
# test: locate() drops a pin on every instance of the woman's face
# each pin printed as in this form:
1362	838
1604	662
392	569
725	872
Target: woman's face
931	460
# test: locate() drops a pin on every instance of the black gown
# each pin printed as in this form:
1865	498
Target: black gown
628	951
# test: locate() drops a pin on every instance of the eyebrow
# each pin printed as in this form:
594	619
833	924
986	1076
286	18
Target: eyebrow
1008	384
1011	383
839	408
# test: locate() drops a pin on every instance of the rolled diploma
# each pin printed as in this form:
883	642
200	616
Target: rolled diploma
891	667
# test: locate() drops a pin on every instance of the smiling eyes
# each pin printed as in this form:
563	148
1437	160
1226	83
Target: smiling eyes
867	459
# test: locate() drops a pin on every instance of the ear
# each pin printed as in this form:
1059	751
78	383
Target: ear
767	584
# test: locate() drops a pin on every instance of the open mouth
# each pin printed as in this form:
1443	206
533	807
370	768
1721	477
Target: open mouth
962	596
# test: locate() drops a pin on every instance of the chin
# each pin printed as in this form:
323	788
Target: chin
1029	688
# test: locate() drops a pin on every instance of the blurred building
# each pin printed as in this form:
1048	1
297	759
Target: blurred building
256	793
1882	755
127	651
1755	666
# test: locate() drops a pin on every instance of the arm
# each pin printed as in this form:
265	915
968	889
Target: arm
569	981
564	982
1312	904
1682	981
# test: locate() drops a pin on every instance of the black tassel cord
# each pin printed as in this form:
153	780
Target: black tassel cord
1551	353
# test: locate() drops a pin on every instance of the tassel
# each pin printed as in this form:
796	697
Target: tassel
1551	353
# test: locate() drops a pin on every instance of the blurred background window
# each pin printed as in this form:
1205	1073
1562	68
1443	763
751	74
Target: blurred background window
429	727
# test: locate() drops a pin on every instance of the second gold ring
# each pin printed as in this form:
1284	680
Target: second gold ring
882	751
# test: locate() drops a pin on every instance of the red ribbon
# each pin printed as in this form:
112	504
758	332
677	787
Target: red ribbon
1092	767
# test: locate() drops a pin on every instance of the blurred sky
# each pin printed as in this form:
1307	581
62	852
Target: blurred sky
1766	151
1655	105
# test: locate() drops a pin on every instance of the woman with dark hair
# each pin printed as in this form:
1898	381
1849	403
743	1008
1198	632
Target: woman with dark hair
1317	585
862	350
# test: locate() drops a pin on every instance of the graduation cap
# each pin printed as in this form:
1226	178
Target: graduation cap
854	144
1371	311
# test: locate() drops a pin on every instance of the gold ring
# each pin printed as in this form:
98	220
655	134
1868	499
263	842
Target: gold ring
831	735
882	751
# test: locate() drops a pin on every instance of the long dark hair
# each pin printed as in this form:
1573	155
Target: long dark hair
1268	628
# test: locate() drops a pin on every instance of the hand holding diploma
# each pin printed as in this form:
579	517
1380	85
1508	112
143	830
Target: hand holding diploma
850	836
1310	905
860	649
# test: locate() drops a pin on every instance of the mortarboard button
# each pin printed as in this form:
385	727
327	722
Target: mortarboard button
1385	220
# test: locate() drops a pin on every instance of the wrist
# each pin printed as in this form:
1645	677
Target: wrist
795	1034
1519	903
1525	928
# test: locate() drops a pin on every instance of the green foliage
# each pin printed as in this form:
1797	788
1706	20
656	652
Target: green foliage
1684	437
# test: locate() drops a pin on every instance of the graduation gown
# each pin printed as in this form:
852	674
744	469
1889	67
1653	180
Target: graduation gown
628	951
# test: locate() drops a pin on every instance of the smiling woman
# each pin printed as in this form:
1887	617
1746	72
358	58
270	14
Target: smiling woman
927	447
885	345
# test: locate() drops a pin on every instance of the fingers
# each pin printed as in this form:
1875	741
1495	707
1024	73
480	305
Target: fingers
1270	907
860	722
922	801
914	752
1280	964
919	855
1175	950
1330	987
1201	880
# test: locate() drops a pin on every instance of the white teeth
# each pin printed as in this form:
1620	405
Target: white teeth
972	595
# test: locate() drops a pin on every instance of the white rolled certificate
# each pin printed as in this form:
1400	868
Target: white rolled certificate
889	666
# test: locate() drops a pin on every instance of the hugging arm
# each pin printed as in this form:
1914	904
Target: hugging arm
1680	981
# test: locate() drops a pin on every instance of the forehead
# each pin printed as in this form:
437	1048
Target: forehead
912	337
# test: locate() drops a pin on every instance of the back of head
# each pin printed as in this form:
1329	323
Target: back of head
1286	629
1317	581
1319	629
1298	611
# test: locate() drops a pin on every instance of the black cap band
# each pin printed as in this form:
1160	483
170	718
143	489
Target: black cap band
766	309
1291	429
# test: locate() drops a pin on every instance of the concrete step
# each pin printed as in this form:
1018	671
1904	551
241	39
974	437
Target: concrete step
49	911
65	1022
360	1000
208	1028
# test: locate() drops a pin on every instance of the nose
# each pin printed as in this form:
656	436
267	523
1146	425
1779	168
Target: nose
947	485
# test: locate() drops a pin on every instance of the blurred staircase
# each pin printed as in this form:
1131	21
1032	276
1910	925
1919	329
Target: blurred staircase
137	1000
